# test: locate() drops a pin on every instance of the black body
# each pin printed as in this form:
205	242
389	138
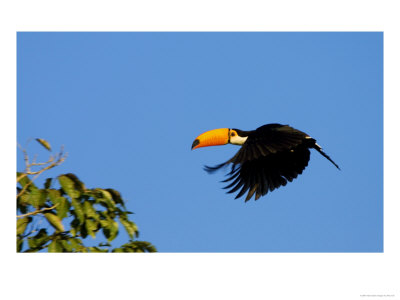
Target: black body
272	155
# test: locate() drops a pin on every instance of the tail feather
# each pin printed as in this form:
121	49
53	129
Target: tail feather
215	168
319	149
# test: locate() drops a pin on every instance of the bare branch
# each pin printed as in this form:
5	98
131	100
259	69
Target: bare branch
38	164
51	163
21	176
43	163
38	211
26	159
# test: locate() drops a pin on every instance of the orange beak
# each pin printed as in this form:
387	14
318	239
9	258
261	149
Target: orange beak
212	138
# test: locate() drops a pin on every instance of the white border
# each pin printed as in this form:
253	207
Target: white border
201	276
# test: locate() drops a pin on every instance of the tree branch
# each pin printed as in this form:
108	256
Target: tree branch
51	164
37	211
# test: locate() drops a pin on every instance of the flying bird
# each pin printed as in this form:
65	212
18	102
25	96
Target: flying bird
269	157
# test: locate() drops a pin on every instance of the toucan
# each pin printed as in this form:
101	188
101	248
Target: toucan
269	157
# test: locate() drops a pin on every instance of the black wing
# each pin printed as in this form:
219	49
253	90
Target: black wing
269	139
271	156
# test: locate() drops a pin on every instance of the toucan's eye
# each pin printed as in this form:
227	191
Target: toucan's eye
233	133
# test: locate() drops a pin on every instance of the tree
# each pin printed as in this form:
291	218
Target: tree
59	216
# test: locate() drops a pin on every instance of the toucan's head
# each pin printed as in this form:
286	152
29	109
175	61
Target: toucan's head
220	136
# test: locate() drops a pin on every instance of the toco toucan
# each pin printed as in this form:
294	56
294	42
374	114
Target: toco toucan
269	157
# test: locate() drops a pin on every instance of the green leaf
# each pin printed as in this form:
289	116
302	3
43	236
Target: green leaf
24	180
91	227
71	185
44	143
111	230
130	227
141	246
89	210
54	195
105	222
22	203
73	231
78	210
20	243
83	231
47	184
78	184
62	208
136	246
106	194
37	242
116	196
32	243
62	203
97	249
37	198
76	244
55	246
66	246
104	198
75	227
22	223
55	221
118	250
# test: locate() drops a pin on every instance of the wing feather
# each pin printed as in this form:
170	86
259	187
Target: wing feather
271	156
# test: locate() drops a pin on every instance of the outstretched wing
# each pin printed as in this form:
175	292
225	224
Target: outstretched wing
269	139
272	155
267	173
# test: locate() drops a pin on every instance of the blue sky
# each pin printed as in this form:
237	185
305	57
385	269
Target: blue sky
127	107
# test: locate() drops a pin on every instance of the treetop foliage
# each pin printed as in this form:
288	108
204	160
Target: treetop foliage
62	214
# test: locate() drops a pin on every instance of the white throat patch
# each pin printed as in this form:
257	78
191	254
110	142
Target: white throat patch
237	140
